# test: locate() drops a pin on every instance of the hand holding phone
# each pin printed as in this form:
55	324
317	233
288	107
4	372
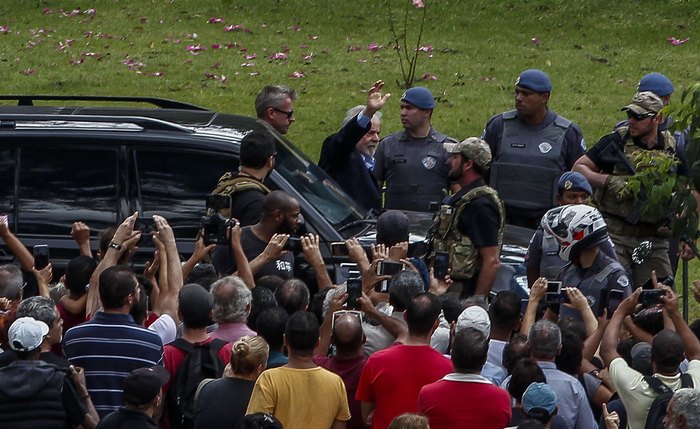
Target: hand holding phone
41	256
553	293
354	290
441	264
389	268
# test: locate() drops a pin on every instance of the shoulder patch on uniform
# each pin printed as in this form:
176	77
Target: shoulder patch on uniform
623	281
428	162
545	147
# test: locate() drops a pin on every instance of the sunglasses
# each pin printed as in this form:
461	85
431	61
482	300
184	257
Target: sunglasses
639	116
289	114
354	313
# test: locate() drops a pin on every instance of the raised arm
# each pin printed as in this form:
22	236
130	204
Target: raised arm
200	252
536	294
326	329
24	257
691	345
174	269
81	234
273	249
244	270
312	252
611	336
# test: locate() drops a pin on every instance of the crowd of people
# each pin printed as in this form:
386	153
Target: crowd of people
233	337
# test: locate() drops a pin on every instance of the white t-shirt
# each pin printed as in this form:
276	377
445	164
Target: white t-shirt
165	327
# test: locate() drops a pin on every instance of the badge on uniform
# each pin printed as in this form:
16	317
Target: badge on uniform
428	162
545	147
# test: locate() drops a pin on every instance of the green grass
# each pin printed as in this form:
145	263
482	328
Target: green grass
595	51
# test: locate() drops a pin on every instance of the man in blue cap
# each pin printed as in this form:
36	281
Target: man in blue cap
531	146
413	163
542	258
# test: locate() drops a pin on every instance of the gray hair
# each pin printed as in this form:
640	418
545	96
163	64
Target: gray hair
336	291
686	403
354	111
272	96
544	339
232	300
40	308
11	281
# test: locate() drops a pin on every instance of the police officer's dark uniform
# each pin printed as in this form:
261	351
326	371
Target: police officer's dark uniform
470	219
528	159
414	169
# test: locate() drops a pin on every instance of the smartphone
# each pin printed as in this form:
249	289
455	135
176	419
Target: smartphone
389	268
615	297
651	297
382	286
339	248
293	244
354	287
441	264
666	281
41	256
146	225
553	293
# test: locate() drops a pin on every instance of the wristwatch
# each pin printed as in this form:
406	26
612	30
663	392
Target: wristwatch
114	245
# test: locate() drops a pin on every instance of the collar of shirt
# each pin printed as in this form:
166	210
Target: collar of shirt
466	378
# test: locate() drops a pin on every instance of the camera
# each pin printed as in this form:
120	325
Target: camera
215	226
651	297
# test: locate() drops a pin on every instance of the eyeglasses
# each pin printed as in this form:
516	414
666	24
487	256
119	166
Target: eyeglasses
289	114
639	116
354	313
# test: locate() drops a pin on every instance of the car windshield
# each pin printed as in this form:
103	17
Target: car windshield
316	186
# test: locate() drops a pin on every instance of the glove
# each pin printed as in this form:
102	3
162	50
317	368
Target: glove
618	186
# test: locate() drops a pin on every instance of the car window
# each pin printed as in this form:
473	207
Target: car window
8	162
175	184
59	185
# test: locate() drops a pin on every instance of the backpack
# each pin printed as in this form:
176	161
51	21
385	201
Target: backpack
201	361
657	412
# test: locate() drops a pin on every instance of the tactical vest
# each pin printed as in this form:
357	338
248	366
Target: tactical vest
416	175
589	287
607	201
44	410
550	262
526	169
230	184
445	237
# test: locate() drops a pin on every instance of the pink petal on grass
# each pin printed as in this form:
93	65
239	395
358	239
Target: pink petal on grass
158	74
362	60
236	27
429	76
296	28
313	37
90	11
309	58
47	11
535	41
195	49
278	56
247	64
297	75
4	29
373	47
675	42
28	71
74	62
426	48
254	74
214	20
354	48
250	57
216	46
418	4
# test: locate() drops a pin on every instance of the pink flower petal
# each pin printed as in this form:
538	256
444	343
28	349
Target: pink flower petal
28	71
89	12
354	48
426	48
216	46
250	57
313	37
297	75
429	76
158	74
74	62
247	64
236	27
675	42
362	60
418	4
214	20
47	11
535	41
278	56
373	47
195	49
296	28
254	74
308	58
4	29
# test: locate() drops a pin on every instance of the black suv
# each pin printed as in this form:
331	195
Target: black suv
98	161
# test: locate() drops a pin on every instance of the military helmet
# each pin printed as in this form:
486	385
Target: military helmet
576	227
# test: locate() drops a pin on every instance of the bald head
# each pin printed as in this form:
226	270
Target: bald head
277	200
347	334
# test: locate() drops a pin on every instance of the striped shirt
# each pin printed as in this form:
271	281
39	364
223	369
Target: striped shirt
109	347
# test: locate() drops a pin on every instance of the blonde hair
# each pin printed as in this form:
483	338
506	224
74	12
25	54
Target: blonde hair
248	353
409	421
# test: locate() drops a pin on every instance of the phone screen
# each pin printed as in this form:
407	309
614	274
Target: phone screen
339	249
615	297
553	294
354	293
389	268
441	264
41	256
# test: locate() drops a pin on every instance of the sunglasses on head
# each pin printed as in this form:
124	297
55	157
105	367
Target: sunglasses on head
639	116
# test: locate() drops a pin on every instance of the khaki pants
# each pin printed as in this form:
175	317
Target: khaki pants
658	261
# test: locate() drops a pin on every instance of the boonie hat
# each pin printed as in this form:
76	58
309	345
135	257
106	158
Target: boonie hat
535	80
420	97
474	317
539	396
573	181
656	83
645	102
26	334
473	148
142	385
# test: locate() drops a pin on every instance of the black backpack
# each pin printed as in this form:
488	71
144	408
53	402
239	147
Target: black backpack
657	412
202	361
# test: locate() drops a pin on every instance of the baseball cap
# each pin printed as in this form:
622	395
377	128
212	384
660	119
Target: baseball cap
535	80
474	317
656	83
473	148
641	358
573	181
195	302
392	227
644	103
420	97
539	396
142	385
26	334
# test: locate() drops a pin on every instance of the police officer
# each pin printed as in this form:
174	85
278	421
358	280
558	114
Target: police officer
470	223
580	230
413	163
531	146
246	189
542	258
609	179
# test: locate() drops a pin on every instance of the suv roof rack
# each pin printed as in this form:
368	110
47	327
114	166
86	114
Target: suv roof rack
163	103
153	124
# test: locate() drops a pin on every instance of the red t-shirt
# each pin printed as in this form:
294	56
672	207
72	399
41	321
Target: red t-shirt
69	320
393	377
464	401
349	369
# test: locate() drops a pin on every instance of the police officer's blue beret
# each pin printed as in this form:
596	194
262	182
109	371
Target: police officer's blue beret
573	181
420	97
534	80
656	83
